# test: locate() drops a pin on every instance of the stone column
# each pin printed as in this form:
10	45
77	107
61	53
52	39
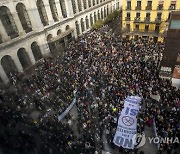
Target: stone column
17	62
3	75
69	8
82	4
4	35
35	19
48	12
18	24
59	9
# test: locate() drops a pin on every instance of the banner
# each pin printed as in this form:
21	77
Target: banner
60	117
127	123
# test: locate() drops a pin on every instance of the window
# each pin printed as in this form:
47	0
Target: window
146	28
138	7
159	16
53	9
137	15
173	5
149	5
128	27
74	6
8	22
63	8
89	3
128	5
42	12
160	5
147	16
79	5
24	17
137	27
85	4
128	17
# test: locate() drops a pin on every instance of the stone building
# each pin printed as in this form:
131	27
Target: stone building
32	29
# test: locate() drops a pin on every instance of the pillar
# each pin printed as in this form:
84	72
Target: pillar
48	12
3	75
4	35
59	9
18	24
17	62
35	18
69	8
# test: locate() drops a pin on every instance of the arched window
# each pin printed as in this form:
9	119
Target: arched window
53	9
89	3
8	65
49	37
91	19
95	18
94	2
67	27
8	22
87	22
99	16
36	51
107	10
82	25
63	8
85	4
59	32
97	1
79	5
24	58
102	14
42	12
74	6
24	17
77	28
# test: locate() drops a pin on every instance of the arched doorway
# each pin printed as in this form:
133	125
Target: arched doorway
77	28
24	58
24	17
42	12
102	14
36	51
95	18
82	25
91	19
99	16
8	22
87	22
53	10
8	65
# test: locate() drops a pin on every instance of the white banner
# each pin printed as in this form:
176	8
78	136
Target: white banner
127	123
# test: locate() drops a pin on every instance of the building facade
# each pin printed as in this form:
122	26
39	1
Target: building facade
32	29
147	18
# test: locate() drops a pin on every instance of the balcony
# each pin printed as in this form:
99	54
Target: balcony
160	7
138	7
172	7
147	19
128	18
148	7
145	32
158	20
137	19
128	8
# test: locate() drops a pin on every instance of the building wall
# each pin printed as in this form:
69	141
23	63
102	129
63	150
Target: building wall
163	23
15	47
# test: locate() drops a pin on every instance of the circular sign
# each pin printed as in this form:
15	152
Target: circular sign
128	121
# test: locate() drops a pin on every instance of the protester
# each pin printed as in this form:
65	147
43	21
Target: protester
104	69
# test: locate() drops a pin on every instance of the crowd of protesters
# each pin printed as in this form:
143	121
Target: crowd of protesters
104	69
